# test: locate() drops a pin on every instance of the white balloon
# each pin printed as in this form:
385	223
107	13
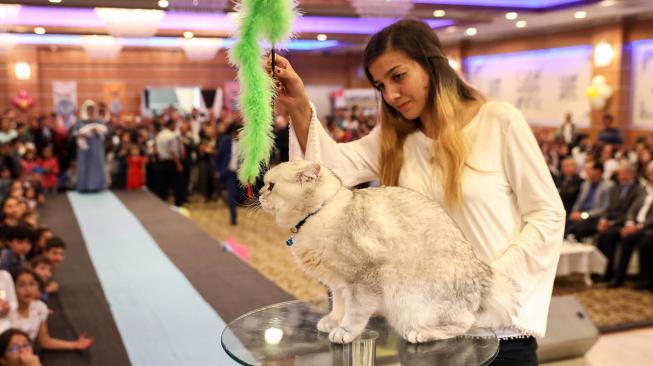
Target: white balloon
605	91
598	103
598	80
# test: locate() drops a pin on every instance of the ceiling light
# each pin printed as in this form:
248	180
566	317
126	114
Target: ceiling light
580	14
55	1
39	30
439	13
606	3
454	64
7	42
163	3
511	15
322	37
382	9
471	31
451	29
520	24
603	54
201	49
101	47
22	71
135	23
188	35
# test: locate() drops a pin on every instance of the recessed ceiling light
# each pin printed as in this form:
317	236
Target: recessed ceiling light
580	14
439	13
55	1
322	37
471	31
511	15
451	29
188	35
163	3
520	24
606	3
39	30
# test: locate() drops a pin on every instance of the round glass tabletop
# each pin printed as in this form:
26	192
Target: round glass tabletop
286	334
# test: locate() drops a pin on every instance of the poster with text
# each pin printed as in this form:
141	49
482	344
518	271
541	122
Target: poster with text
544	84
64	94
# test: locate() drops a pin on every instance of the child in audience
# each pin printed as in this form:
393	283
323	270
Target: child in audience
16	349
50	166
55	250
18	240
135	168
42	266
32	219
12	211
8	300
31	166
41	236
31	315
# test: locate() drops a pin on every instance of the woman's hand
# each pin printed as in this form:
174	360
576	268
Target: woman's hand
290	87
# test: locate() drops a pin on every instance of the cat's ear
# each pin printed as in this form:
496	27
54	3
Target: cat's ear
309	174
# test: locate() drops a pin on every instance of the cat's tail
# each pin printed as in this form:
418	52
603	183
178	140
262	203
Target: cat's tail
499	304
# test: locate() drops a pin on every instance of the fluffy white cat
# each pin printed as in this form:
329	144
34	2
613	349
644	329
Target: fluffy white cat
388	250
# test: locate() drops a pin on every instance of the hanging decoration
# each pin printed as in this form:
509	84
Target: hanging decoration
258	21
599	92
23	101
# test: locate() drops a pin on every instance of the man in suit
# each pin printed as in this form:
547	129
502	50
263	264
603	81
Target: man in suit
226	165
591	204
569	183
618	245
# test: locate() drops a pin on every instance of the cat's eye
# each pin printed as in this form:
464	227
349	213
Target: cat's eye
270	186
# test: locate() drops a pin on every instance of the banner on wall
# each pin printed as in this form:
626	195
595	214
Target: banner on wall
64	95
366	99
113	95
543	84
642	100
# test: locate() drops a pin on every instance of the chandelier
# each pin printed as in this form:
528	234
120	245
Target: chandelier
8	12
101	47
199	6
131	23
382	8
201	49
7	42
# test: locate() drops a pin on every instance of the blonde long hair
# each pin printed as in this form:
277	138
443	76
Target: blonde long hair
448	93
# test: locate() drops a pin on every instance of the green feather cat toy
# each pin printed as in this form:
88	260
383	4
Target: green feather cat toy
259	20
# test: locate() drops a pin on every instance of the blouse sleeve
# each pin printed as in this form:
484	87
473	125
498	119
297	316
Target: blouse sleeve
536	248
353	162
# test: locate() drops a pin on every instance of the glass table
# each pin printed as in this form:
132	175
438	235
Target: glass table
286	334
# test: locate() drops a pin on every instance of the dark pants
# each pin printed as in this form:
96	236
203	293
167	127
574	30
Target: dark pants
230	183
646	262
581	229
517	352
628	245
607	244
170	179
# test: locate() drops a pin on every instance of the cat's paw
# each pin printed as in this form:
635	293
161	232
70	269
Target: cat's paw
424	335
341	335
327	324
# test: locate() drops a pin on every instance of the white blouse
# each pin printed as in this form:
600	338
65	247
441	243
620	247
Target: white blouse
511	211
37	314
7	293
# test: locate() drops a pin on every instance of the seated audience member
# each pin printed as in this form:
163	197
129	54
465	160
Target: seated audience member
622	196
12	211
16	349
18	241
618	244
55	250
569	183
32	219
646	265
8	300
31	315
42	266
591	204
41	236
609	134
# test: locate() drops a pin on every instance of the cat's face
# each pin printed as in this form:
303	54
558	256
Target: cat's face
295	189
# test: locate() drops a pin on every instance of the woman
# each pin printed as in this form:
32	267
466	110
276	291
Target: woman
90	132
16	349
478	159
